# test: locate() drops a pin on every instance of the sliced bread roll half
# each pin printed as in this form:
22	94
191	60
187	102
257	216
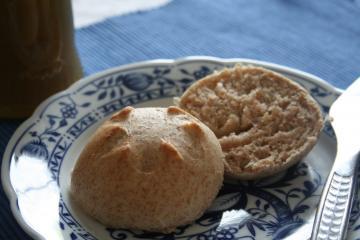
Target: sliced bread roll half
264	121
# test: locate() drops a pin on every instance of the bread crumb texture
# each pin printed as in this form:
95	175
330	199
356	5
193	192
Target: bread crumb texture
148	169
264	121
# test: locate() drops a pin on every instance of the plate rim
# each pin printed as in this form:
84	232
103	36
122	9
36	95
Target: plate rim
5	173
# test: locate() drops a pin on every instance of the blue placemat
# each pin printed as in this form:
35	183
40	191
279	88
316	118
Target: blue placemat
320	37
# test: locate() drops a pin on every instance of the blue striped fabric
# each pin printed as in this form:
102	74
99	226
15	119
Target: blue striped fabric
320	37
9	228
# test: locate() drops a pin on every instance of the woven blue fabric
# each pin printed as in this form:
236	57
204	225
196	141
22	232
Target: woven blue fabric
320	37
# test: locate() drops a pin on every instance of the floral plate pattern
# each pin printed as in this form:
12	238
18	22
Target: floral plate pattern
40	155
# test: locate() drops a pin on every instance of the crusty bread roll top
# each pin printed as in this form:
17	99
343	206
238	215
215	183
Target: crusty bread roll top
150	169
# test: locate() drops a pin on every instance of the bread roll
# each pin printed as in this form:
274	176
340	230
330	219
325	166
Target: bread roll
149	169
265	122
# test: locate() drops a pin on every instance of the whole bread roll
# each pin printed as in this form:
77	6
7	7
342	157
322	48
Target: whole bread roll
265	122
149	169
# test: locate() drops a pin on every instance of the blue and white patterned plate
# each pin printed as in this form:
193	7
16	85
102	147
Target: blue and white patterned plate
40	155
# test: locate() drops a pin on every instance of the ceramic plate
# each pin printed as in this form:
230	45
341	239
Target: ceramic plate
40	155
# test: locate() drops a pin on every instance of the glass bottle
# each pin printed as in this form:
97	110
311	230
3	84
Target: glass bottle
37	53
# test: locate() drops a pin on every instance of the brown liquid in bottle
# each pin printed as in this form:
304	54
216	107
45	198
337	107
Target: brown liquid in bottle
37	53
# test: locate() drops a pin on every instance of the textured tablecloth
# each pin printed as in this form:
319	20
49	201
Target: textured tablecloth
320	37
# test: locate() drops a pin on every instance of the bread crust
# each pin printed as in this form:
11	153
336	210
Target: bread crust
264	121
150	169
